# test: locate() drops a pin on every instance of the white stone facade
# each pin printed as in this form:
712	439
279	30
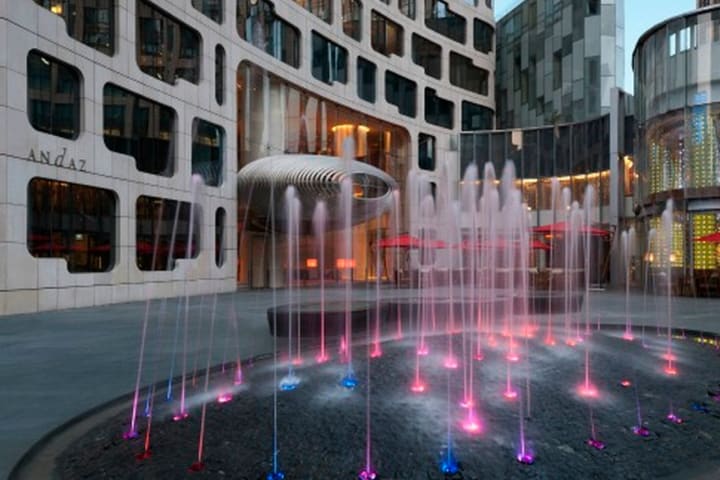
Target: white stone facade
29	284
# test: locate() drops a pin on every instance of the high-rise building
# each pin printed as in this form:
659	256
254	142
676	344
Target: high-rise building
558	61
110	108
707	3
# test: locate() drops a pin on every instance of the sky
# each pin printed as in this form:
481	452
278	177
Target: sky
640	15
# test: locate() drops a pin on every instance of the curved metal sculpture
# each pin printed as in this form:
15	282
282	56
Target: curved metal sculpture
315	177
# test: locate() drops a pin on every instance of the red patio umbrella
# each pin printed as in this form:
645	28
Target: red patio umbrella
499	243
712	238
408	241
563	227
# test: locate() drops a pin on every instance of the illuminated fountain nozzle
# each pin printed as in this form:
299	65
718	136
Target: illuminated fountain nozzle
596	444
525	458
367	474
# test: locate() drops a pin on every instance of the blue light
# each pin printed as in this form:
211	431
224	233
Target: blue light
275	475
448	464
349	381
289	382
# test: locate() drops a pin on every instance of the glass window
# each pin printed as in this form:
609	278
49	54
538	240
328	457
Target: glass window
320	8
593	7
166	48
438	111
219	74
165	230
213	9
72	221
91	22
428	55
366	73
440	18
407	7
386	35
53	89
208	151
557	70
476	117
465	75
258	24
401	92
139	127
352	18
426	152
483	36
329	60
219	237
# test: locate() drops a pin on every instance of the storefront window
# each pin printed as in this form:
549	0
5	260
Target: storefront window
165	230
74	222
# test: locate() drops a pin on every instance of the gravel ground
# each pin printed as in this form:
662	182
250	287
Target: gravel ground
322	426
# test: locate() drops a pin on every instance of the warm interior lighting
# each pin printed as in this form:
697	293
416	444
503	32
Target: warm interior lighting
649	257
57	9
345	127
363	128
345	263
673	257
311	263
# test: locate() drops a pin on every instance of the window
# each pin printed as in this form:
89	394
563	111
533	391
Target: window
557	71
465	75
440	18
165	230
482	36
72	221
407	7
166	48
386	35
53	90
352	18
213	9
476	117
428	55
219	74
329	60
139	127
593	7
91	22
208	145
426	152
401	92
219	237
438	111
320	8
258	24
366	73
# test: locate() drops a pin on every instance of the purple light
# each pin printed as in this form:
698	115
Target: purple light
641	431
674	418
129	435
450	362
596	444
510	394
423	350
368	474
180	416
525	458
224	398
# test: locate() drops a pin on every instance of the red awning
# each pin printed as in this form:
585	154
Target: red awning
712	238
563	227
408	241
500	244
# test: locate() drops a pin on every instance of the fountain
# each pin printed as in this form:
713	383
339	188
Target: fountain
482	387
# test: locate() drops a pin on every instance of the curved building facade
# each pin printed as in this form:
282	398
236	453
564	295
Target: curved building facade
123	124
677	88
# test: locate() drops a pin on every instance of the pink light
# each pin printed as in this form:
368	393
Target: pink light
471	424
224	398
180	416
570	342
550	341
450	362
625	383
669	356
479	356
510	394
588	390
512	357
322	358
423	350
670	370
467	403
418	386
674	418
297	361
376	352
238	380
492	341
628	336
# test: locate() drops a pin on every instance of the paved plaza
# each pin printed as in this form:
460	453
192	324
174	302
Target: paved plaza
56	365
